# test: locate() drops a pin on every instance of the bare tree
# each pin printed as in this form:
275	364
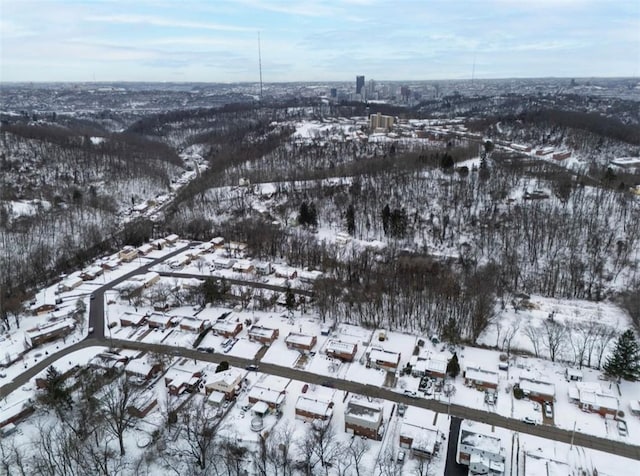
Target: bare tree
533	335
197	445
509	334
275	457
116	401
319	446
553	337
356	450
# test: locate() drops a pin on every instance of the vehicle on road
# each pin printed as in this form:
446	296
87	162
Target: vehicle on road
252	368
529	421
548	410
411	393
622	428
327	383
90	330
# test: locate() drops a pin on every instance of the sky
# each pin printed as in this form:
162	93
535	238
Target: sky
316	40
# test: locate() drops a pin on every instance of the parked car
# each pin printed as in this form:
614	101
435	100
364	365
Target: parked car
622	428
401	409
400	458
529	421
490	398
411	393
548	410
90	330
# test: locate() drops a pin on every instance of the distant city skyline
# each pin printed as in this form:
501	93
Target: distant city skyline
323	40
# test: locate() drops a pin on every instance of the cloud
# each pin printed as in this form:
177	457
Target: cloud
165	22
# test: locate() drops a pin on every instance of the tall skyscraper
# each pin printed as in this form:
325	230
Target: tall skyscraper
359	84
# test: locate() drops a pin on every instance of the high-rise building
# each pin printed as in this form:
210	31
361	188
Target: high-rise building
334	92
359	84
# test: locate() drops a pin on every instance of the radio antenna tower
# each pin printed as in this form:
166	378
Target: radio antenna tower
260	65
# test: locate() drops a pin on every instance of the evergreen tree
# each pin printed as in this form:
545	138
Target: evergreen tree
290	299
453	366
303	214
447	162
222	366
351	220
313	215
56	394
386	217
307	215
624	362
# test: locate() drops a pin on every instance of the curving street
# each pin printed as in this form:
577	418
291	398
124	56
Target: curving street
96	320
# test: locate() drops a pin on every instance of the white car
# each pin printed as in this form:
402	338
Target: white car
529	421
548	410
411	393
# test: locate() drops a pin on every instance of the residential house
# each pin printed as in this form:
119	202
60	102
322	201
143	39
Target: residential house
159	244
172	239
218	242
110	265
561	155
70	283
193	324
344	351
220	262
91	273
264	335
479	449
591	397
127	254
42	308
285	272
49	332
310	409
421	439
301	342
179	261
227	328
146	280
242	266
132	319
179	380
145	249
263	268
109	361
142	369
480	378
227	382
436	367
272	390
160	321
309	277
537	389
379	358
364	418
